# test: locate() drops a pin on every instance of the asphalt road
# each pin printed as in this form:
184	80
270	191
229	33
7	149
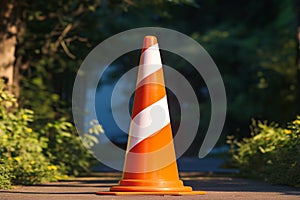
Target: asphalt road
84	188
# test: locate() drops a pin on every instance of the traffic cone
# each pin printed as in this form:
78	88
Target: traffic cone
150	164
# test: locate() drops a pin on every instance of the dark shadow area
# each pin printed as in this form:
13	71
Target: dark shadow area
59	193
87	181
226	184
102	182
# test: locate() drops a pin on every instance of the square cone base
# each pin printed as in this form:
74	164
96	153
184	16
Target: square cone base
129	190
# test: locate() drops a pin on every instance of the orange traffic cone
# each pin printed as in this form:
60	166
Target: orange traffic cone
150	165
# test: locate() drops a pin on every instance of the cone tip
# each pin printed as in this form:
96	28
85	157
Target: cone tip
150	37
149	40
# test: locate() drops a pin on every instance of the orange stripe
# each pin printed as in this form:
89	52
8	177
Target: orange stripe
146	96
155	142
156	77
151	90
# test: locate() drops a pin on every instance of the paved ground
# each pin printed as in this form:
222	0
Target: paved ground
196	174
84	188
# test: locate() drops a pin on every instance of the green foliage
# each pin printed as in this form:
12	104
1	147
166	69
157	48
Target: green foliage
272	153
31	153
21	147
90	138
5	176
256	57
65	148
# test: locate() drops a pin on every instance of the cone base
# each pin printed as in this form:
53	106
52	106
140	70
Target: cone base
150	190
161	193
121	188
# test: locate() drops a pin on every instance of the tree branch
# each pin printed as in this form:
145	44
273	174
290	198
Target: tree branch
67	51
61	37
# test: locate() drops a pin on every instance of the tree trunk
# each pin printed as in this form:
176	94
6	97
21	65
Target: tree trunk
298	54
8	41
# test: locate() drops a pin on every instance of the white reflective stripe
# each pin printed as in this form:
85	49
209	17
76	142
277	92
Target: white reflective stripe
151	62
149	121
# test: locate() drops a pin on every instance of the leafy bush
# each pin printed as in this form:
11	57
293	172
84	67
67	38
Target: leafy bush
271	154
32	152
20	146
5	176
65	148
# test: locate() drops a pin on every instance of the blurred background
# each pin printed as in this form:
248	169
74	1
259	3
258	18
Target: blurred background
255	45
